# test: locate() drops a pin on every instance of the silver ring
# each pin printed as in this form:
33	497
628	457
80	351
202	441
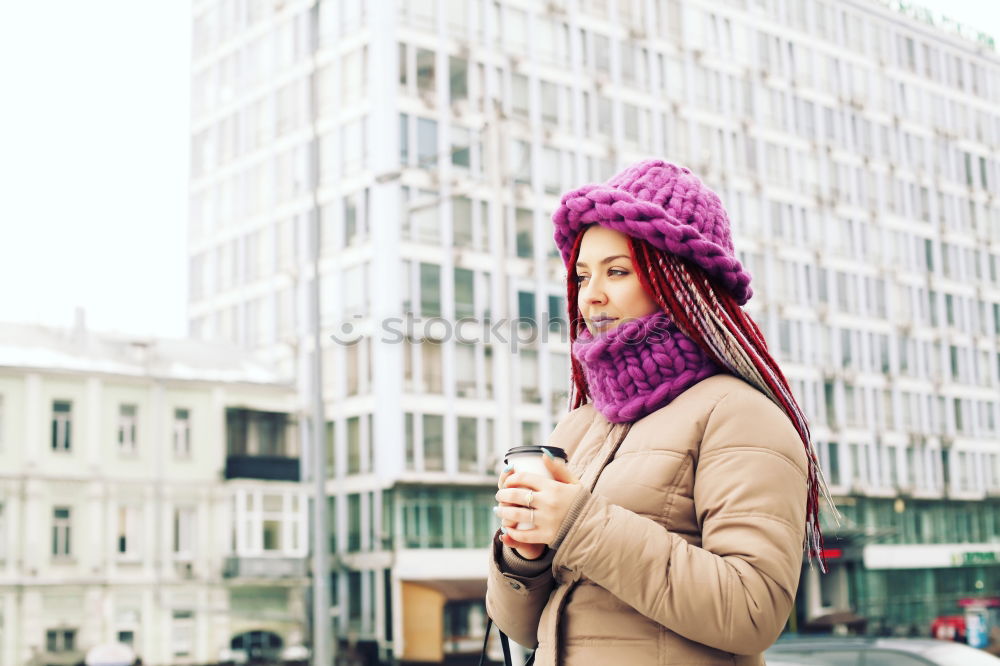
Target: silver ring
530	496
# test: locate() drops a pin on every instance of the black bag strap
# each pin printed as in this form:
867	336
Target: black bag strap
504	645
486	640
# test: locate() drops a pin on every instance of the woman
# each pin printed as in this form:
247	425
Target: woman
674	535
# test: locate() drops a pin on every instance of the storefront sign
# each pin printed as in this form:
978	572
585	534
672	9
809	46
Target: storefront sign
929	556
987	557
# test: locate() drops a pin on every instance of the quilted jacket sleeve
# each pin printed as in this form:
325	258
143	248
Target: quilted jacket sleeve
515	593
515	602
733	593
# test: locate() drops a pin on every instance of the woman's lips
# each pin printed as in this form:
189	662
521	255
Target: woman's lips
603	322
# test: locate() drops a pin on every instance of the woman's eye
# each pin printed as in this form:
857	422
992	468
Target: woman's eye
618	272
581	278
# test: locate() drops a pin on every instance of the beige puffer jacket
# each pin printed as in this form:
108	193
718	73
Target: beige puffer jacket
684	544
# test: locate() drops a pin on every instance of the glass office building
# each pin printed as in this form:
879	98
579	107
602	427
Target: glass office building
854	145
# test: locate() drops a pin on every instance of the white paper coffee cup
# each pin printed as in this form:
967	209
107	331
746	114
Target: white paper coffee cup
530	459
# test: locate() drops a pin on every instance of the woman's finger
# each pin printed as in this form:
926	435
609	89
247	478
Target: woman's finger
526	480
503	476
515	514
559	470
519	497
532	536
506	540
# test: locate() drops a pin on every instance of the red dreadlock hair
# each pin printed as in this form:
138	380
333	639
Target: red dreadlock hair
713	319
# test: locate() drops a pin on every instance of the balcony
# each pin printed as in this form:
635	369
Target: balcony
261	445
272	568
268	468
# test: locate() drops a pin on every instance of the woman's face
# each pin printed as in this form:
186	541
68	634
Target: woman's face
610	291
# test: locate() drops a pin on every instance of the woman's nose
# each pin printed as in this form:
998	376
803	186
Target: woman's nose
593	292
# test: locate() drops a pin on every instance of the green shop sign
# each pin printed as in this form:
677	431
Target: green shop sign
988	557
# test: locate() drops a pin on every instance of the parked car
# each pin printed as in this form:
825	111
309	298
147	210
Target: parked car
865	651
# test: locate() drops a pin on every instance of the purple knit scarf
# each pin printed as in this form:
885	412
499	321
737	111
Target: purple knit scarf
640	366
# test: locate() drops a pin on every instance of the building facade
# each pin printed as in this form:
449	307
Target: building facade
426	142
149	495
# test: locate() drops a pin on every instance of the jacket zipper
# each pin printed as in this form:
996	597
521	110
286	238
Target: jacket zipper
572	586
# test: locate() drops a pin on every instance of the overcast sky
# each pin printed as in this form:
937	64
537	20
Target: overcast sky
94	159
93	162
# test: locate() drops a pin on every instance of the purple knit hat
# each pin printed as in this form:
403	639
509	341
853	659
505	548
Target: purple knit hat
665	205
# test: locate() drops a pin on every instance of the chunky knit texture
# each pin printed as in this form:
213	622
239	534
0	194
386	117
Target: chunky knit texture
668	207
640	366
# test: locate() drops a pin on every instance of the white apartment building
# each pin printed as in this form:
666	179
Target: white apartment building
854	145
149	495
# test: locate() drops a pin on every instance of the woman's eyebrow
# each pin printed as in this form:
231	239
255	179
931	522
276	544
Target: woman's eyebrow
606	260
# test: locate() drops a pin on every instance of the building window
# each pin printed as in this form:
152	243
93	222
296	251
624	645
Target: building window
184	533
529	376
182	633
355	284
331	449
430	290
465	370
557	313
434	442
127	539
62	422
433	381
426	142
530	433
488	370
833	463
404	139
424	214
60	640
559	378
354	522
550	102
127	417
354	600
461	147
353	146
461	219
61	545
458	75
351	235
526	307
272	520
411	457
465	293
354	445
425	71
253	433
468	450
524	224
352	367
268	523
859	464
520	162
426	515
182	433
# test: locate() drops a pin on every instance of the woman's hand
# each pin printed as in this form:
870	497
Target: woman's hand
550	500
